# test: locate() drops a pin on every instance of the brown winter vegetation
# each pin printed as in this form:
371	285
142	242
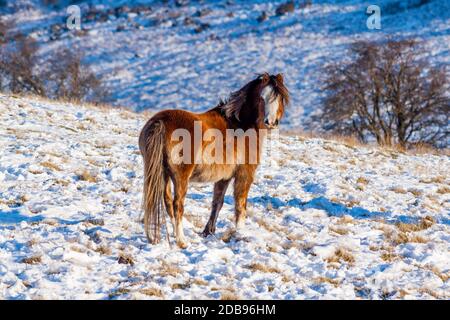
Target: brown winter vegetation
62	76
386	92
32	260
125	259
423	224
152	292
85	175
341	255
262	268
334	282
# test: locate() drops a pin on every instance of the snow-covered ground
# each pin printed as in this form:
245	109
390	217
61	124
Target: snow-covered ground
152	58
326	220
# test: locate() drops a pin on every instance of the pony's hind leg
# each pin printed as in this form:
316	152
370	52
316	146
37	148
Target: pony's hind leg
180	186
220	188
168	201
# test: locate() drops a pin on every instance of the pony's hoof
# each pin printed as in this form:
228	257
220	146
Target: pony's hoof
207	232
182	244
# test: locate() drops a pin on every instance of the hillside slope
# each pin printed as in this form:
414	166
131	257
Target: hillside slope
326	219
155	55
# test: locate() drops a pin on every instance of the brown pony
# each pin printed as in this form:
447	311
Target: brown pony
258	106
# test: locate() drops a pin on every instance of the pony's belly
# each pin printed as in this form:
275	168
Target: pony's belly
212	172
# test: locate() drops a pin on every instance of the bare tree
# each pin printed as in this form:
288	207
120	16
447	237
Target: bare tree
388	93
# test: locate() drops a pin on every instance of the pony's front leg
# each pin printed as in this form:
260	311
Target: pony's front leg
220	188
180	186
242	183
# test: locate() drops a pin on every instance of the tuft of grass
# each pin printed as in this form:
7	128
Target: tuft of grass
436	179
118	292
181	286
443	190
199	282
50	165
125	259
262	268
228	235
423	224
169	269
362	180
334	282
339	230
104	250
389	256
341	255
416	192
32	260
152	292
430	292
229	296
85	175
398	190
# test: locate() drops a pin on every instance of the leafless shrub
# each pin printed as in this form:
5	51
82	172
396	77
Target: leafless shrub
67	78
386	92
62	76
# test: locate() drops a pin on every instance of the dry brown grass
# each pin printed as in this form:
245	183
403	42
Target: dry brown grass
389	256
32	242
181	286
78	248
345	220
271	227
85	175
443	190
152	292
199	282
341	255
405	232
339	230
32	260
35	171
118	292
169	269
334	282
125	259
195	219
353	142
50	165
415	192
62	182
272	248
104	250
436	179
362	180
256	266
430	292
423	224
399	190
444	276
228	235
229	295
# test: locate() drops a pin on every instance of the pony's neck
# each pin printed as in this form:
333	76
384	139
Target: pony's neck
249	117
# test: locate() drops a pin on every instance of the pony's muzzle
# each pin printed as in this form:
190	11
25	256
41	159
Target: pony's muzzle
271	125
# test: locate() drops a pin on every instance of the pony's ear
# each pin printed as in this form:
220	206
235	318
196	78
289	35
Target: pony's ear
280	78
265	77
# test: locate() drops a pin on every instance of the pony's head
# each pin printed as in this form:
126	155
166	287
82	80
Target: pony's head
275	97
261	101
